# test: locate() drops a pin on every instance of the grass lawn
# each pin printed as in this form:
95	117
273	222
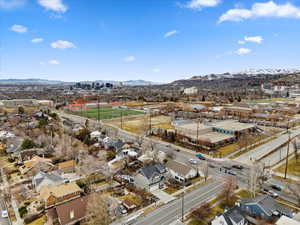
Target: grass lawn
107	112
269	100
134	198
293	167
39	221
244	194
171	190
226	150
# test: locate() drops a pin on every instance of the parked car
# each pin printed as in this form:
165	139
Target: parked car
270	192
231	172
177	150
4	214
227	167
276	187
239	167
193	161
200	156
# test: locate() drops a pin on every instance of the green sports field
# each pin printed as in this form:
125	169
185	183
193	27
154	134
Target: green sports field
107	112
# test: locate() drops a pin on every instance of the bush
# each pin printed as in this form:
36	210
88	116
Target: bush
23	211
10	160
28	144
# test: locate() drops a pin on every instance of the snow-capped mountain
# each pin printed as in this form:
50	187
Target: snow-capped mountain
267	71
245	73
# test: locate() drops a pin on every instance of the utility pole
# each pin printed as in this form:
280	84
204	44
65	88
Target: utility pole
98	109
121	119
288	150
182	207
150	125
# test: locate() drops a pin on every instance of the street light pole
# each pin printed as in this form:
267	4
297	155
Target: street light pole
182	207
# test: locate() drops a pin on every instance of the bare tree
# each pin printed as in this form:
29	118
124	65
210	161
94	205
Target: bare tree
204	170
98	212
295	190
228	193
296	151
258	175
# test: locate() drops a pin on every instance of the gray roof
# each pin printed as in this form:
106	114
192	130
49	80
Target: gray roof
234	214
268	204
55	177
152	170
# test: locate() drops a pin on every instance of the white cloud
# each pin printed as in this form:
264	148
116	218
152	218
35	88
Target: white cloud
170	33
243	51
54	5
156	70
62	44
254	39
18	28
130	58
241	42
37	40
199	4
10	4
54	62
267	10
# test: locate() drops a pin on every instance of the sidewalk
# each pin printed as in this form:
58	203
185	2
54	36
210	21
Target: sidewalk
19	220
292	177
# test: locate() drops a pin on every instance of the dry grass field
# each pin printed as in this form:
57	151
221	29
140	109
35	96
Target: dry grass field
140	124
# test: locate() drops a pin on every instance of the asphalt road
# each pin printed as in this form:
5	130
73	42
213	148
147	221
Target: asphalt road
172	211
264	149
3	221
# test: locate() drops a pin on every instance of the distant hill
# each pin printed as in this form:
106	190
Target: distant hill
58	82
244	79
30	81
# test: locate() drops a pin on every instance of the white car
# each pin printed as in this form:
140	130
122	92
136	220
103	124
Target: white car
193	161
4	214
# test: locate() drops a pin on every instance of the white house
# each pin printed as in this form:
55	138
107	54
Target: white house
233	216
180	171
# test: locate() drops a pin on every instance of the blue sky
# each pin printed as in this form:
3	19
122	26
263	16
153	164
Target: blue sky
157	40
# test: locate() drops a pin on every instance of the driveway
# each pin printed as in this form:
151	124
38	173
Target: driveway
163	196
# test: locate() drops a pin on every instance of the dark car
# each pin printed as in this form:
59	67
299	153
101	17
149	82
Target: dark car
276	187
239	167
231	172
177	150
227	167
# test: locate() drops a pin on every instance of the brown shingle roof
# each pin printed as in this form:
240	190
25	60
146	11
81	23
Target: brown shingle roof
72	211
70	163
59	191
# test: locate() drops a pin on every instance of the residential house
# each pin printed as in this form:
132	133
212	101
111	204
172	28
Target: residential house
66	167
28	154
284	220
52	196
68	213
151	177
43	179
233	216
128	204
264	206
36	164
181	172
